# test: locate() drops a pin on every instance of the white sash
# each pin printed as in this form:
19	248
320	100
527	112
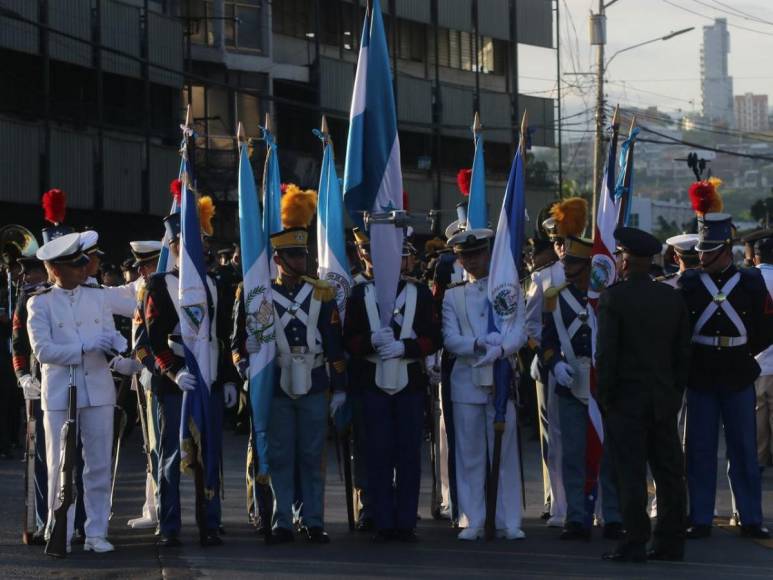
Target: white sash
725	305
392	374
581	365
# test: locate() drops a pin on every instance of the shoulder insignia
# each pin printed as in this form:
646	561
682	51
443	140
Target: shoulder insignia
323	290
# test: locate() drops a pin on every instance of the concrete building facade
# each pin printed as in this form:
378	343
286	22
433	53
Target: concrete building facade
716	82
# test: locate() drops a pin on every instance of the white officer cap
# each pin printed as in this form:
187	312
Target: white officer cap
683	243
455	227
90	243
145	250
470	240
63	250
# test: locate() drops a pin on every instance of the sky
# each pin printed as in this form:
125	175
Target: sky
664	74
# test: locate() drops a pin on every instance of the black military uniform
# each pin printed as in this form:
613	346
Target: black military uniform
642	362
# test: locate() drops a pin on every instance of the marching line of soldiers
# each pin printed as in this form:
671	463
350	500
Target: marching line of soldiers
665	357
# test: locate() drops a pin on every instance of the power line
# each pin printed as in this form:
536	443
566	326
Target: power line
670	3
705	147
743	14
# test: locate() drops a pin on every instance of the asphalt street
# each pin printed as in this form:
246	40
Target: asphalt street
437	554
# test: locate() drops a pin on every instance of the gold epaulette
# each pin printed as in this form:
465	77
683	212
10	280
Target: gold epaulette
323	291
141	293
551	296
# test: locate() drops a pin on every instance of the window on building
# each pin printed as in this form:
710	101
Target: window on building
293	17
456	49
241	19
411	40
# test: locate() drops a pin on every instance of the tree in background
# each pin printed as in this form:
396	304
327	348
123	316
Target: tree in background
762	211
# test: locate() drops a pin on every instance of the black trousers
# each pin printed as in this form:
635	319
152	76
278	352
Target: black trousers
636	440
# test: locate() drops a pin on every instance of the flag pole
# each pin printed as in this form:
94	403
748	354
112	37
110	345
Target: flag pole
476	126
522	140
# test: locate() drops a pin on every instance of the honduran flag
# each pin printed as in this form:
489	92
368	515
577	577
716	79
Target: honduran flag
477	208
258	305
331	241
373	181
507	313
199	444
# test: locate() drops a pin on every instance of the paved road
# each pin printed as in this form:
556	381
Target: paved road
438	554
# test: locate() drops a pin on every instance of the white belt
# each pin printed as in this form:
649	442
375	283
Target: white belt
374	358
719	341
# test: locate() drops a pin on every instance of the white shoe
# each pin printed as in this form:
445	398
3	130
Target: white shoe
555	522
470	534
511	534
99	545
142	523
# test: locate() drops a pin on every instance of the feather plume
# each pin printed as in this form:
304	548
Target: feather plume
463	180
206	213
54	206
704	196
298	206
176	189
570	215
406	202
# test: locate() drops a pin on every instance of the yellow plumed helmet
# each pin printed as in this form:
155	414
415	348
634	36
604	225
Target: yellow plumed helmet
206	213
570	215
298	206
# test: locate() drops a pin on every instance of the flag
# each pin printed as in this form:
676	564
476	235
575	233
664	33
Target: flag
331	244
199	445
507	311
258	305
272	187
624	185
163	264
477	208
372	175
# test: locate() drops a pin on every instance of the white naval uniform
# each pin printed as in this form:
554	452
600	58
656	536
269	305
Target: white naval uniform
474	413
122	300
59	323
550	276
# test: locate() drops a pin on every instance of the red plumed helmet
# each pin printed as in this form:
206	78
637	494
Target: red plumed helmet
176	189
704	197
54	206
463	179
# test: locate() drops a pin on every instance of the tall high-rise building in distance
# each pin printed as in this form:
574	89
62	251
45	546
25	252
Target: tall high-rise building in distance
716	83
751	113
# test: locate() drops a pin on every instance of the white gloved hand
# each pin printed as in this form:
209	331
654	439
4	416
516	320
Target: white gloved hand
492	354
126	366
394	349
564	374
252	344
534	369
493	339
30	386
336	402
434	374
382	337
230	395
185	380
118	342
101	342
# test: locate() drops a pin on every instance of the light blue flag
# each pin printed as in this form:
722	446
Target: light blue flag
507	314
258	305
373	181
164	264
199	443
477	209
331	242
272	186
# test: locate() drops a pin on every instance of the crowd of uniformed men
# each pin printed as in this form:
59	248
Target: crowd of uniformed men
670	355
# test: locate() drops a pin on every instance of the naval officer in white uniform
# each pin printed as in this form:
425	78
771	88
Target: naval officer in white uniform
466	335
71	325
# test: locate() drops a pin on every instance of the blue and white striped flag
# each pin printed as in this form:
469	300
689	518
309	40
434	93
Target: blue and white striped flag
477	208
258	305
164	264
504	290
331	242
373	180
272	186
199	443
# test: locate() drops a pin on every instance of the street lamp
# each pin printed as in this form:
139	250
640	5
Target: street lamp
598	34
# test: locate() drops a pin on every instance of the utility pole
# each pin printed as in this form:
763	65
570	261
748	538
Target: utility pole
598	38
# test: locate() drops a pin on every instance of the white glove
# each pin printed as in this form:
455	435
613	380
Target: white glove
185	380
534	369
493	339
118	342
125	365
382	337
252	344
336	402
395	349
230	394
434	374
101	342
492	354
30	386
564	374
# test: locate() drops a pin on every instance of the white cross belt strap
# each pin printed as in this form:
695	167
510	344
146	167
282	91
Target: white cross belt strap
720	300
392	374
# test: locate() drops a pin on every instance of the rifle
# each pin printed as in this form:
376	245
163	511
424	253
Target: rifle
30	451
57	542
